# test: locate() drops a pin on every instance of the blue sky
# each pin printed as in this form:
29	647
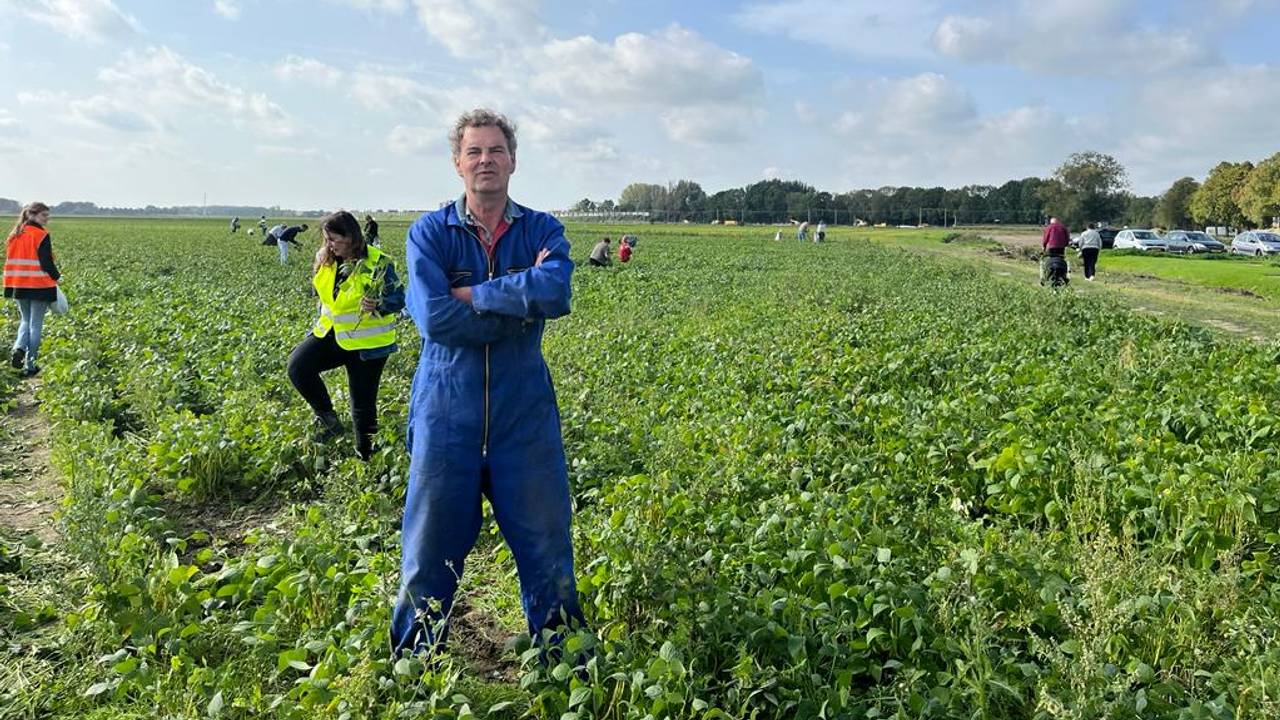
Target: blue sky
346	103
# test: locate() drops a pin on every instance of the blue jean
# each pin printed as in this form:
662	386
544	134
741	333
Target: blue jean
31	327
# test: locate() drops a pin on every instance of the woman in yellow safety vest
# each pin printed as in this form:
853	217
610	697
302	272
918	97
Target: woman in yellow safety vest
31	278
360	297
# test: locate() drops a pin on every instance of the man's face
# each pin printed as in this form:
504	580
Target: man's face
483	162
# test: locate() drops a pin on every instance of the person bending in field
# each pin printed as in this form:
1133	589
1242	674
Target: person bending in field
624	251
360	296
600	254
31	278
820	233
371	231
285	237
235	225
485	274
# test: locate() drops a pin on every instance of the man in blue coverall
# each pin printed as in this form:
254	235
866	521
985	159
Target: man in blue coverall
485	274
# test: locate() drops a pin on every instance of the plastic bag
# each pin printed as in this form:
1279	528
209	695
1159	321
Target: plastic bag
60	306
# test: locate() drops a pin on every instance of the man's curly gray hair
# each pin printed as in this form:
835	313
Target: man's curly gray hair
482	117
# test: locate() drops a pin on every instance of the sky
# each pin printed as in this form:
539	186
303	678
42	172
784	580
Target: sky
320	104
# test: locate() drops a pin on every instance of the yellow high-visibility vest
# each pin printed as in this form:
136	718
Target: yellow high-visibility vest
352	329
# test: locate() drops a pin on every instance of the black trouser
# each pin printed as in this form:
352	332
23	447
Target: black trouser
594	262
1090	257
316	355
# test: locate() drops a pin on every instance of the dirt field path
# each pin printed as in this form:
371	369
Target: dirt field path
29	492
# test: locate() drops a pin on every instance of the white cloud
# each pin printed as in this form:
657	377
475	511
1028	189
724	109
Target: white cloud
9	125
112	114
377	89
380	5
927	104
708	93
1185	125
705	124
227	9
160	82
1062	37
309	70
926	129
415	140
674	66
287	151
86	20
568	133
478	28
861	27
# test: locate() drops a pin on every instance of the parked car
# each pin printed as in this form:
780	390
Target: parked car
1177	244
1108	236
1139	240
1256	242
1199	241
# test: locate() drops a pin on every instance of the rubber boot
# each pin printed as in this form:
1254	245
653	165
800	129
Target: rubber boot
328	426
364	445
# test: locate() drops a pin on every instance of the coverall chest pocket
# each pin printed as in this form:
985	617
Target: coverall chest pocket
516	269
459	278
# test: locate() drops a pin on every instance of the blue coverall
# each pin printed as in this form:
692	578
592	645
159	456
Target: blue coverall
483	419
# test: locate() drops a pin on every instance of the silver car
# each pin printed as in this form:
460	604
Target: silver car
1175	243
1139	240
1256	242
1199	241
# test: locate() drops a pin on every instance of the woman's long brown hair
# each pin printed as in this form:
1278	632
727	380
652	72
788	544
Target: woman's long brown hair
339	222
28	212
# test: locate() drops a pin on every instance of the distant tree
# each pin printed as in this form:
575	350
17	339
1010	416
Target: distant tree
642	197
1215	202
606	205
1090	186
1259	196
971	206
584	205
1174	208
10	207
70	207
727	204
685	198
1139	211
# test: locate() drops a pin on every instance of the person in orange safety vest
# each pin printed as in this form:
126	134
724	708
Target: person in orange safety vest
30	277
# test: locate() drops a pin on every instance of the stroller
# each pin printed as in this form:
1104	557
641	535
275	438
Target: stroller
1053	271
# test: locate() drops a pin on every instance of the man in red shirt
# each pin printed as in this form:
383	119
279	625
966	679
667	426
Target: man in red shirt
1054	241
1055	238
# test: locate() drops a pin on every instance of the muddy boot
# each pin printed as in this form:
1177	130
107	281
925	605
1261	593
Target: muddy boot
18	358
328	426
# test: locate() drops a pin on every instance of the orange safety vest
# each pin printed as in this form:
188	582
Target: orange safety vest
22	264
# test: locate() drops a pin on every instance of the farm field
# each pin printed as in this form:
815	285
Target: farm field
1232	294
849	480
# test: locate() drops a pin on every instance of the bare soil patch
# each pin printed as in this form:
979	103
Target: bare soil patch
480	639
29	491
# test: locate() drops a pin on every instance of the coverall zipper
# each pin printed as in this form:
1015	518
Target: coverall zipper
484	448
484	443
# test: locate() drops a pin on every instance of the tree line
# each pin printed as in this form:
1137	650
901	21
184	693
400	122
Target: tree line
1086	187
